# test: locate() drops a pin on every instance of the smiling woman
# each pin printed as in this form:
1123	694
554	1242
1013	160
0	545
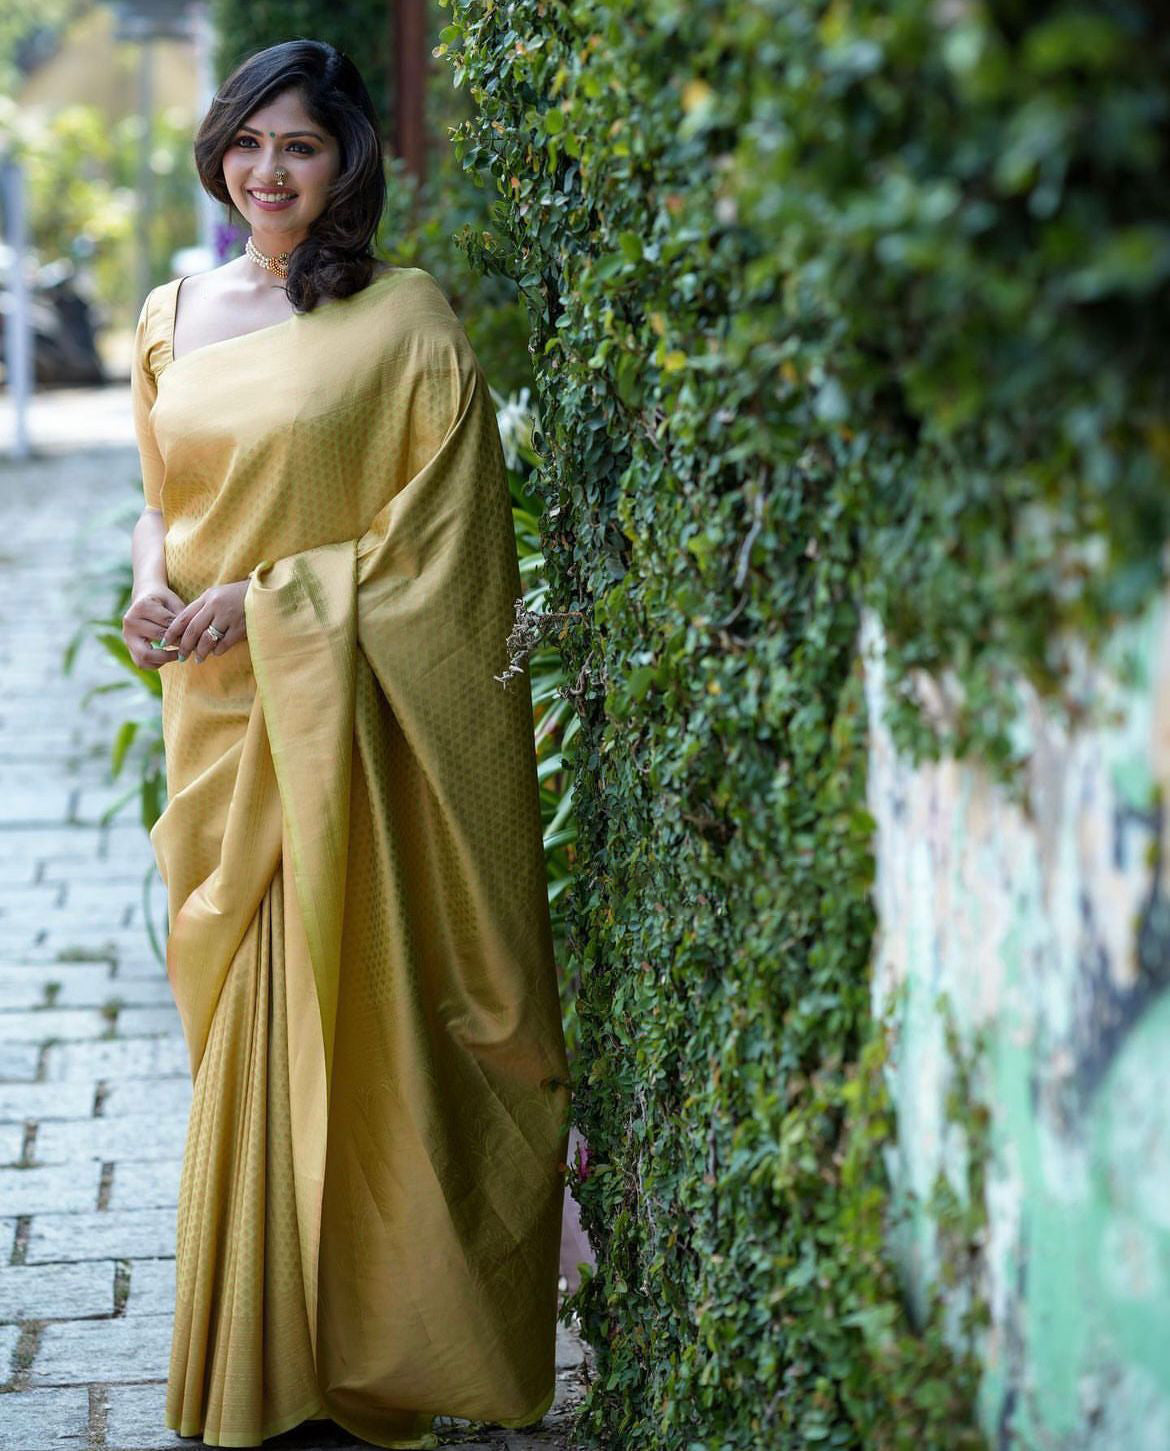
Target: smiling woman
359	938
287	125
277	177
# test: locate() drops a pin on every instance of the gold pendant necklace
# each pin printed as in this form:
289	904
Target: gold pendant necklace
277	264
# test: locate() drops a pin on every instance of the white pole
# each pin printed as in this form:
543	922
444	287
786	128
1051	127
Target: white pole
18	322
145	177
203	29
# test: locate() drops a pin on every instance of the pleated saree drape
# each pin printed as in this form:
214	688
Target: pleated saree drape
359	943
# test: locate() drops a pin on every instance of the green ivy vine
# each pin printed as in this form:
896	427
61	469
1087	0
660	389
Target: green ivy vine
833	306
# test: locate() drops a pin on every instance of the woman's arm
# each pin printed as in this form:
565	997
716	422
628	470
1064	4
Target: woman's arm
146	552
153	603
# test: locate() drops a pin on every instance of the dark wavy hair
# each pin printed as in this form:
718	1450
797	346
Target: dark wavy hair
336	258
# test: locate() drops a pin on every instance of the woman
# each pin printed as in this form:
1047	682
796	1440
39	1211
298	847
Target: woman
359	942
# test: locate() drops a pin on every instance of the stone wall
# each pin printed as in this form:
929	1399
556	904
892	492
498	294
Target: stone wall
1038	923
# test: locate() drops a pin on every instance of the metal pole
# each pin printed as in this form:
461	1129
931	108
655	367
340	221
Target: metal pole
18	324
208	210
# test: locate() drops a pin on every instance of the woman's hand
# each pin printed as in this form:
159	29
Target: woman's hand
222	606
151	611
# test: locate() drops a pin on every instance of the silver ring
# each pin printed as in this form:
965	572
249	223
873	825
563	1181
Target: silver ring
216	634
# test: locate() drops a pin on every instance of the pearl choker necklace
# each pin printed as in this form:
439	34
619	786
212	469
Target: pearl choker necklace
277	264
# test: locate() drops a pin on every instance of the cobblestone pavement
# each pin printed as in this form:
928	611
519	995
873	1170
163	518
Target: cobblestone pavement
94	1084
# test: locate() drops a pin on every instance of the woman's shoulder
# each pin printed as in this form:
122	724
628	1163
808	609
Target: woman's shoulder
152	335
413	287
415	309
410	327
155	303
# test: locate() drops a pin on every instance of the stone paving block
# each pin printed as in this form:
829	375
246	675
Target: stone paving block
98	1235
43	1024
134	992
18	1062
139	960
45	1420
56	1292
11	1143
48	940
77	1352
54	1189
570	1349
67	927
123	878
97	895
161	1057
145	1184
20	870
7	1240
41	1101
9	1336
46	945
12	963
152	1287
75	845
37	804
124	840
142	1021
139	966
130	1136
28	899
134	1419
14	894
148	1095
30	985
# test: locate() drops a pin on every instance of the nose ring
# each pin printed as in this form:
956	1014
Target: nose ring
281	175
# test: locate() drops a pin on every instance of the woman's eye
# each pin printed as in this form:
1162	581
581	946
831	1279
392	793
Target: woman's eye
301	145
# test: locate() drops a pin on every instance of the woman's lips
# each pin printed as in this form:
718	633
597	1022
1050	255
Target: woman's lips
272	206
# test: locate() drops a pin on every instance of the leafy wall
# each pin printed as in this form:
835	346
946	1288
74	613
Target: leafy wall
831	304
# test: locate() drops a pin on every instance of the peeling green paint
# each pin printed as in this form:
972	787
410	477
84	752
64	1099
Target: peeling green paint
1036	926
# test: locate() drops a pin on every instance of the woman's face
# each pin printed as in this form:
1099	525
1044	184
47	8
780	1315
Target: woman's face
280	134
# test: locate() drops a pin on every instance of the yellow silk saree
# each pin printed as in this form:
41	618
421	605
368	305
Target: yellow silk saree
359	942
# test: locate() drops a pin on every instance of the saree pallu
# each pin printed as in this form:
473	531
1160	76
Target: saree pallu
359	940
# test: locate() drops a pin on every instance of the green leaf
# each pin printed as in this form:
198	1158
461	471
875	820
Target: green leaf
122	741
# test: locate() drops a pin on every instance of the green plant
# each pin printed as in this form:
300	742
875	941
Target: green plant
80	172
28	27
555	723
138	737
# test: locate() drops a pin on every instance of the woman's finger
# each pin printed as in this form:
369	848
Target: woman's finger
233	637
144	656
149	616
196	640
178	627
144	651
